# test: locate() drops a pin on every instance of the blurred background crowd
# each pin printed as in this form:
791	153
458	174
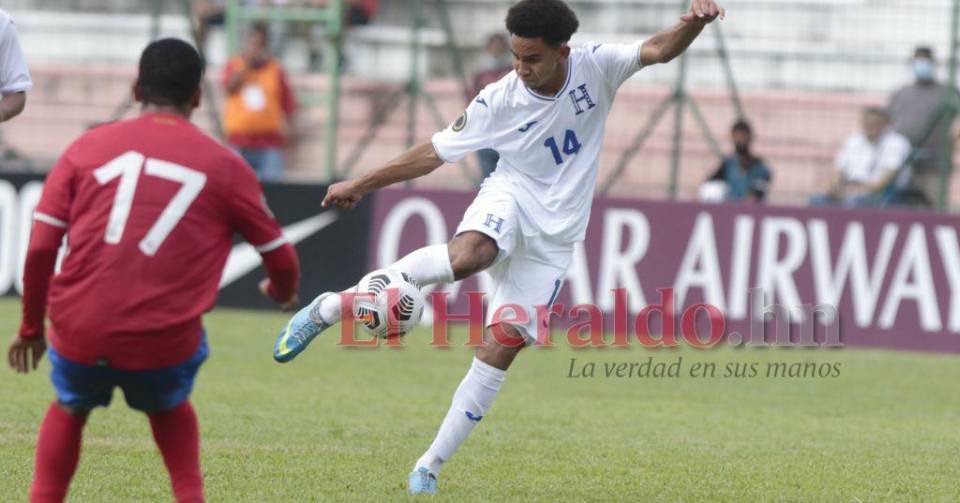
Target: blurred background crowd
844	103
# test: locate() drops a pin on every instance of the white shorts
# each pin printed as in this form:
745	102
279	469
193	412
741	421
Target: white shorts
528	271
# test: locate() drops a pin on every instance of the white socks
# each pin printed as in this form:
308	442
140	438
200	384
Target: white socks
471	401
428	265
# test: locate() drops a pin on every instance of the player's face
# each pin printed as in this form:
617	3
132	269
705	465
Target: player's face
539	65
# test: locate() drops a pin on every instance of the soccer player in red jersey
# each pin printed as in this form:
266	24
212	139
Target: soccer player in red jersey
149	207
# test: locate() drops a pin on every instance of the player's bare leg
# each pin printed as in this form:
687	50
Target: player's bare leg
471	401
58	452
465	255
470	253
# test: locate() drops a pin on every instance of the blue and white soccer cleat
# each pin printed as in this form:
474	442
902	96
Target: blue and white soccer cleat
422	482
300	330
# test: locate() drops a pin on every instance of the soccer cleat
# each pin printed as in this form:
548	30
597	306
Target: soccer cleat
300	330
422	482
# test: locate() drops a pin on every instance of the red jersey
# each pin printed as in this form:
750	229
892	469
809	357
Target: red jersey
150	207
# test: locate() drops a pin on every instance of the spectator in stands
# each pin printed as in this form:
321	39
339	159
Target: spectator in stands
919	111
258	116
356	13
14	76
361	12
495	62
208	13
868	164
742	175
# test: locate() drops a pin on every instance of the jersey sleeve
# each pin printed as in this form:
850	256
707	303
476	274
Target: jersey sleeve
51	217
472	131
617	61
250	215
58	192
252	218
14	76
38	267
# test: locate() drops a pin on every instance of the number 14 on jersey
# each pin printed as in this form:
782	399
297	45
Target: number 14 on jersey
571	145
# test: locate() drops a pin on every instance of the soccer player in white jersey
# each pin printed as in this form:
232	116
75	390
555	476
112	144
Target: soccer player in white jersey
546	119
14	77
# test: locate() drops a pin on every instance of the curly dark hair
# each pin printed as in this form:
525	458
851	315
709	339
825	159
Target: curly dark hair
551	20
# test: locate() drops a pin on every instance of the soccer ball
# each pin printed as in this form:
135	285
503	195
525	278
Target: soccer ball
388	303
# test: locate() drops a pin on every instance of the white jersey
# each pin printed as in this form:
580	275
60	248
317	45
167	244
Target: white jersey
549	146
14	77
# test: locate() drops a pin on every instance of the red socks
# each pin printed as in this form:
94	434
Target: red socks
178	437
58	452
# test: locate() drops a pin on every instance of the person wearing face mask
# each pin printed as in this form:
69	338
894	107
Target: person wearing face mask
919	112
745	176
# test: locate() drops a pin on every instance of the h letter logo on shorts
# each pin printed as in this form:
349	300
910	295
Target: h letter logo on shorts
494	222
584	97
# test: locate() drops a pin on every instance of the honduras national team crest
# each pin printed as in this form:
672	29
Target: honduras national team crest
581	99
494	222
460	122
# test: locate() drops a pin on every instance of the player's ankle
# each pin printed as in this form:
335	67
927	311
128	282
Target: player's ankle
431	462
330	308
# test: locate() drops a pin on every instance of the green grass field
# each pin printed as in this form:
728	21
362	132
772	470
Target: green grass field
346	424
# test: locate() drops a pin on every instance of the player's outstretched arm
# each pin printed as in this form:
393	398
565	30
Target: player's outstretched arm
250	216
670	43
420	160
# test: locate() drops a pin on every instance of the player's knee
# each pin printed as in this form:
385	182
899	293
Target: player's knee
470	253
500	346
73	411
465	266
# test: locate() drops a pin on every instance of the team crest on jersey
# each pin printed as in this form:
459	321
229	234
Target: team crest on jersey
582	100
460	123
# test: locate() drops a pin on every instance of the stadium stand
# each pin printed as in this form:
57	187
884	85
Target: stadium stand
795	78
